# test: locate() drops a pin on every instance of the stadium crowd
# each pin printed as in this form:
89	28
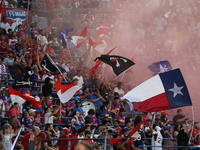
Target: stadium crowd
44	127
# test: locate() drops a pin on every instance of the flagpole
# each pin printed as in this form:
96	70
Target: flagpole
192	124
118	76
68	50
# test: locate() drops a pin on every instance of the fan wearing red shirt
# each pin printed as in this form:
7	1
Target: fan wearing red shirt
13	41
3	43
63	144
22	30
145	118
130	144
117	128
34	133
49	49
6	53
73	136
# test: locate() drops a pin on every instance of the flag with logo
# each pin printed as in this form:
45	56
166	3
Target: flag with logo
66	92
118	63
33	53
63	35
98	62
21	76
160	67
51	66
162	92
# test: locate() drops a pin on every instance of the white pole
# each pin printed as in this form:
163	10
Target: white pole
192	124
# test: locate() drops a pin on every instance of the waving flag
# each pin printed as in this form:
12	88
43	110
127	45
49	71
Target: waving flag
20	98
44	48
1	9
79	40
33	53
160	67
21	76
161	92
63	35
115	141
99	46
103	30
66	92
98	62
48	65
118	63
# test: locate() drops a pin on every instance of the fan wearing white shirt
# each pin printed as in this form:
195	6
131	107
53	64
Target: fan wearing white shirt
49	116
5	25
79	77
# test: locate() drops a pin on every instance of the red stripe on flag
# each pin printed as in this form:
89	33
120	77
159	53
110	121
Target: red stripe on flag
84	32
135	129
26	98
63	88
154	104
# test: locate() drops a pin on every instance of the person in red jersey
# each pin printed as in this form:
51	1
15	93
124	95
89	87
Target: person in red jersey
3	43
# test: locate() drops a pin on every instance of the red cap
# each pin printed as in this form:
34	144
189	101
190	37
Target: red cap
164	113
79	70
66	130
42	135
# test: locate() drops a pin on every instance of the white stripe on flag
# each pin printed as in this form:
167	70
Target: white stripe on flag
67	95
17	99
146	90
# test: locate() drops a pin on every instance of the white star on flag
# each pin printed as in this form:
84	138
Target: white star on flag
163	68
176	90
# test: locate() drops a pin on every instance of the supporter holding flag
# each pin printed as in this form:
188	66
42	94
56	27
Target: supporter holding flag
49	116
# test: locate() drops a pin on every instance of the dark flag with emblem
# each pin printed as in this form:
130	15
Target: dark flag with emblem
48	65
21	76
118	63
160	67
33	53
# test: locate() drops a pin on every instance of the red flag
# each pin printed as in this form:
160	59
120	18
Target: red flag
66	92
1	9
99	46
135	129
20	98
115	141
98	62
80	39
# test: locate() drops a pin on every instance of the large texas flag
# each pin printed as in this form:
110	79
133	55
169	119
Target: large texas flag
161	92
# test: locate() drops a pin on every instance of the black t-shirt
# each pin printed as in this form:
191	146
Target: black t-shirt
178	117
104	93
47	90
182	139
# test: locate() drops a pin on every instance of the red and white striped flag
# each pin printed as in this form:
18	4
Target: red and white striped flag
1	9
44	48
17	97
79	40
99	46
66	92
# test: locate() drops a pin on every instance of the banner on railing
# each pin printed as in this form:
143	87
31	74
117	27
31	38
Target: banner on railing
16	16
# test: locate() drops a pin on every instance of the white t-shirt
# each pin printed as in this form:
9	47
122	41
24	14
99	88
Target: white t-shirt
80	80
48	118
5	26
157	140
7	141
119	91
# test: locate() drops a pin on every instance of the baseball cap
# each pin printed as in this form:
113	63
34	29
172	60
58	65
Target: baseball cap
77	101
164	113
157	118
96	90
66	130
79	70
87	132
31	110
104	128
42	135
